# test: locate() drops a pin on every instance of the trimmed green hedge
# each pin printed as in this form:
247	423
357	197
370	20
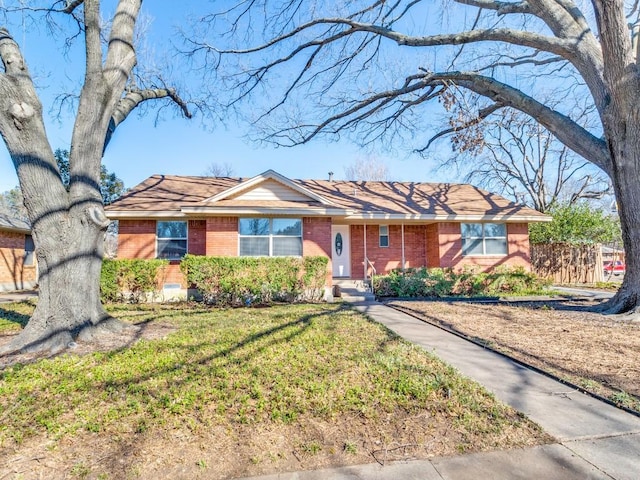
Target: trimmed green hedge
247	280
445	282
130	279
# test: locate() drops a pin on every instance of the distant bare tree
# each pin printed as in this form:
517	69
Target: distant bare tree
12	204
514	155
219	170
367	169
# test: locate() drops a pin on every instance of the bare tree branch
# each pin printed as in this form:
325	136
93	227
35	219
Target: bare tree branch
568	131
517	37
134	98
72	5
501	8
482	114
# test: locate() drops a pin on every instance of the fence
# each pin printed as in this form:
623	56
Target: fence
567	264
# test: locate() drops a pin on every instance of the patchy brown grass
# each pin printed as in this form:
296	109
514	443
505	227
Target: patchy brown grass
215	393
599	353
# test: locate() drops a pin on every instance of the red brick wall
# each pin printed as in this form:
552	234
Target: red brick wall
14	275
316	240
518	241
197	237
450	248
173	274
415	249
385	259
222	237
137	239
450	245
357	250
432	245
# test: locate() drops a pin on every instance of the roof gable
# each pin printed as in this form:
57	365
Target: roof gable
266	187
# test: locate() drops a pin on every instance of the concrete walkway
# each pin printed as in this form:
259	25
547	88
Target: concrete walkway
595	440
19	296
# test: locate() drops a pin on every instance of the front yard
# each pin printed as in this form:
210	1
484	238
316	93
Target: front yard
224	393
598	353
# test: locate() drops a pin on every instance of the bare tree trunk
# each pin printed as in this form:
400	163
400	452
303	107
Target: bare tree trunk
626	181
69	246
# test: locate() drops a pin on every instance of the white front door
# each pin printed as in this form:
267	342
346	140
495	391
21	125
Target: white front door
340	251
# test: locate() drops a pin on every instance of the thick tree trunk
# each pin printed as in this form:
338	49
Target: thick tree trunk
626	181
69	252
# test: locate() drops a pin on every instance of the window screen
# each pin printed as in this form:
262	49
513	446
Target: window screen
484	238
275	237
29	250
171	240
384	235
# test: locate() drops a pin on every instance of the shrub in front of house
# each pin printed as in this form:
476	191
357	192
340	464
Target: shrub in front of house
133	280
255	280
445	282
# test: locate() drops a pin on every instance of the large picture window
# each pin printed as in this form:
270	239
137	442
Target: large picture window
484	238
172	240
276	237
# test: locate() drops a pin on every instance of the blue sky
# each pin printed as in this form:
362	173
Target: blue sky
178	146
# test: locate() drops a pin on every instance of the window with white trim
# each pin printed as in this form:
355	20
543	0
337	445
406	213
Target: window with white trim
383	234
29	250
270	237
484	238
171	238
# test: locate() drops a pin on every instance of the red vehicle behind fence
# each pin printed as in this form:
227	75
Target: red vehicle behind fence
616	268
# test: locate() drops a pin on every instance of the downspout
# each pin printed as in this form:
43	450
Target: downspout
403	260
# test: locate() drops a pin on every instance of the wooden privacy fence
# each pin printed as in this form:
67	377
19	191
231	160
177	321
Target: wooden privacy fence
566	263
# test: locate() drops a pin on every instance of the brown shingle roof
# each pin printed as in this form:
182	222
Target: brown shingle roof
171	193
14	224
416	198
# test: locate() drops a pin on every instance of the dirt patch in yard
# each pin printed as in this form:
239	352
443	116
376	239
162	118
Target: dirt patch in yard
598	353
226	452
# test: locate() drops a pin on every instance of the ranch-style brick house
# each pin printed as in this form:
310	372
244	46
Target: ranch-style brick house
361	227
17	260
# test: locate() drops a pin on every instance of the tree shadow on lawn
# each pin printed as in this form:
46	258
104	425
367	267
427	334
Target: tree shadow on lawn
564	304
14	317
560	304
270	336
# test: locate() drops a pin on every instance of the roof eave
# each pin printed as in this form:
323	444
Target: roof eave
344	213
300	211
133	214
508	218
13	229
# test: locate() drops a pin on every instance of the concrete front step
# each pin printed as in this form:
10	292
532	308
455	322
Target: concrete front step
351	290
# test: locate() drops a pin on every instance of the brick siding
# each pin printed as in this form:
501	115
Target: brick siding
137	239
14	275
197	237
447	250
316	240
222	237
432	245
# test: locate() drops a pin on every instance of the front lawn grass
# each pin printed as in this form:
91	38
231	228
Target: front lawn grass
334	385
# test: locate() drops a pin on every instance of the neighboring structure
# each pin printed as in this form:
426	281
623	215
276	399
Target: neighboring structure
360	226
17	257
